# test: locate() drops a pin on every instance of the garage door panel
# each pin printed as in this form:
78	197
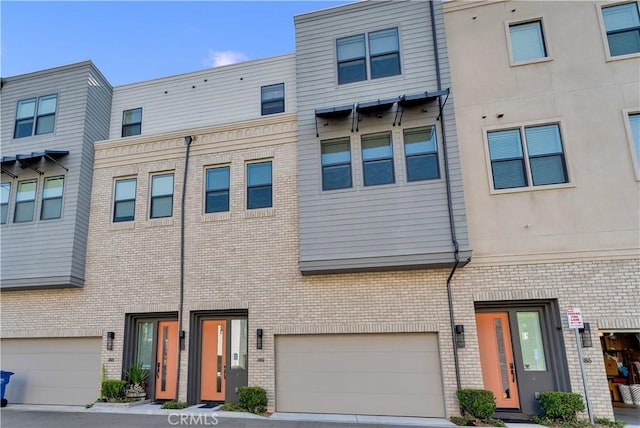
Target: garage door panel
378	374
52	371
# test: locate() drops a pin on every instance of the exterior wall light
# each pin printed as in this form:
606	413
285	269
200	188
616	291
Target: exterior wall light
585	336
459	335
110	336
259	333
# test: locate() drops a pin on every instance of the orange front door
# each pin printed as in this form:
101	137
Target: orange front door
496	357
166	361
213	364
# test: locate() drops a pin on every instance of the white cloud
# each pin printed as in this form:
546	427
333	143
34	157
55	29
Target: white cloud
218	58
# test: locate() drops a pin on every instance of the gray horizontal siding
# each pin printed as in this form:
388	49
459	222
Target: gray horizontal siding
403	224
230	94
48	253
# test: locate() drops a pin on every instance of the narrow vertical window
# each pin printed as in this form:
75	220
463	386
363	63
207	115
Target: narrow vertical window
52	198
46	116
162	195
384	52
634	124
421	151
527	41
217	191
351	59
377	158
124	201
272	99
132	122
507	159
336	164
259	185
546	156
25	201
25	118
5	193
622	24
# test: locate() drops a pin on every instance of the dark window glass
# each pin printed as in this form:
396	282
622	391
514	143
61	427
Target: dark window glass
351	59
5	193
336	164
162	196
259	185
377	157
124	206
46	114
272	97
40	111
546	156
384	52
421	151
634	124
622	23
217	191
507	159
25	201
52	198
132	122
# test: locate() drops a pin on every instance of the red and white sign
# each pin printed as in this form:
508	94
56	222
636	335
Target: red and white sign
574	315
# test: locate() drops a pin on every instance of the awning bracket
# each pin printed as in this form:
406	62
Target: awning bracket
10	174
56	162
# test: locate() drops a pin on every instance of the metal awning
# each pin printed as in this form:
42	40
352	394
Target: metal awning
28	160
333	113
377	106
415	100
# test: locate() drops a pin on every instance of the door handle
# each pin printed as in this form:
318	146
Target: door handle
513	373
224	371
157	369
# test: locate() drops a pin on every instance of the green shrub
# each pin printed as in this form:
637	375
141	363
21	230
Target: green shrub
478	403
609	423
560	406
231	407
253	398
460	421
113	389
137	373
174	405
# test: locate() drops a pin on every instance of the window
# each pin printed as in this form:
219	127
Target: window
542	153
622	24
272	99
336	164
384	53
527	41
5	192
217	191
384	56
634	124
259	185
162	195
52	198
39	111
124	205
25	201
377	158
421	151
351	59
132	122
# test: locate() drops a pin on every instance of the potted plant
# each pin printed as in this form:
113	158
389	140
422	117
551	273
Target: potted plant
137	375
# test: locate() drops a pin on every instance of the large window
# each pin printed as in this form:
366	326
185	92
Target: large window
40	112
52	198
539	161
272	99
336	164
421	151
634	124
132	122
217	191
259	185
527	41
622	24
25	201
5	193
161	195
384	56
124	205
377	159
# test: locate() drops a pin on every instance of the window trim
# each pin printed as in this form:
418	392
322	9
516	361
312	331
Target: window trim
128	125
626	113
8	203
529	187
263	101
207	191
363	58
603	30
43	199
406	157
392	159
152	197
371	56
116	201
545	40
350	163
34	200
247	187
36	116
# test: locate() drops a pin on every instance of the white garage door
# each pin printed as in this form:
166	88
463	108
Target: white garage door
52	371
367	374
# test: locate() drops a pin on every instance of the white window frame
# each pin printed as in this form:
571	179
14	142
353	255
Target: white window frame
632	149
115	201
603	30
43	199
246	184
545	40
151	196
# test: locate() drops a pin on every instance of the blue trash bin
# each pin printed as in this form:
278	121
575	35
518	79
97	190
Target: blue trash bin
4	380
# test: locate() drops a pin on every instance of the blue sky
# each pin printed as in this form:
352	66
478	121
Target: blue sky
134	41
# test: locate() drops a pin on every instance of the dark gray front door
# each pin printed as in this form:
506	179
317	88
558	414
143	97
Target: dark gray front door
237	358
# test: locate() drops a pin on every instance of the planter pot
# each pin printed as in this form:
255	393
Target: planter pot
137	395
